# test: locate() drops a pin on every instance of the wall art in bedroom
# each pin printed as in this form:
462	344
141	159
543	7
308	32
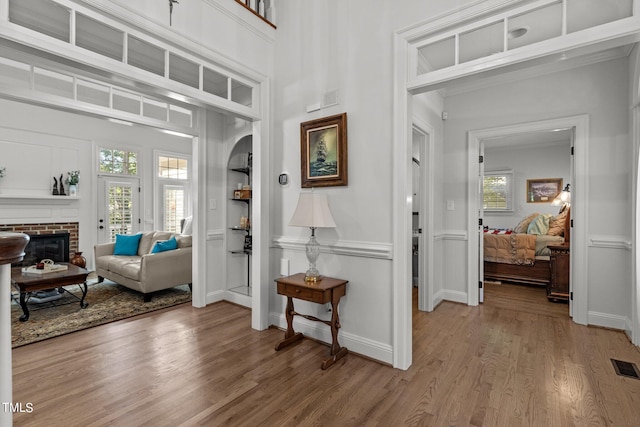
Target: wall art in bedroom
543	190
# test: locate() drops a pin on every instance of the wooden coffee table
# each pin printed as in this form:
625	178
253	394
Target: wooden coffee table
30	282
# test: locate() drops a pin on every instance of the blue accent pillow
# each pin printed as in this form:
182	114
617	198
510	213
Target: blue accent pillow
165	245
127	244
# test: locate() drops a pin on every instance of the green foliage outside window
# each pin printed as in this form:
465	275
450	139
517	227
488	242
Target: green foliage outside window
497	192
118	162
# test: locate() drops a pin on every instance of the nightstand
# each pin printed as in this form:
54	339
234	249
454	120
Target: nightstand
560	261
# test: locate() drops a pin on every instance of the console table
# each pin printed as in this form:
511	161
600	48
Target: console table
323	291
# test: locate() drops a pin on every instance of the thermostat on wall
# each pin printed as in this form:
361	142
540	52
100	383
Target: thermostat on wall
283	179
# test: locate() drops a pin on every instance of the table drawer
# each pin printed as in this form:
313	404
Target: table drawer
314	295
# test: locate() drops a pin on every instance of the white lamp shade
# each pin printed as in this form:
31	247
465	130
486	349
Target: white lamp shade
312	211
563	198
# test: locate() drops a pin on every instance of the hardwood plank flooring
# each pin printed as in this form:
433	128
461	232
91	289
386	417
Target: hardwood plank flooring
504	363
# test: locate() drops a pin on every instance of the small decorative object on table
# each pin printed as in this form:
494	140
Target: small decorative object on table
62	193
79	260
55	187
73	179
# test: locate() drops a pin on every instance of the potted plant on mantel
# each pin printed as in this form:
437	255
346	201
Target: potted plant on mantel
73	179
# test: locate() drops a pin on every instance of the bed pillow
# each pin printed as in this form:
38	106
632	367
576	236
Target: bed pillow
524	224
540	225
127	244
556	224
165	245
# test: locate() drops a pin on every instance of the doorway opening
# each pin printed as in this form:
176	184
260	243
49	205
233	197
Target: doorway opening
579	129
422	214
510	165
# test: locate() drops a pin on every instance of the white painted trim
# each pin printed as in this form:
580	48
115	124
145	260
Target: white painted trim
355	343
452	235
580	199
236	298
215	296
402	325
215	235
610	242
606	320
343	247
456	296
199	224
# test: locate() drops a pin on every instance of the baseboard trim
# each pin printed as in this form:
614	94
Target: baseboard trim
606	320
356	344
215	296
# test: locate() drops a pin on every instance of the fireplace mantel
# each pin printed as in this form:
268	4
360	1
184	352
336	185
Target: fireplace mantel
38	197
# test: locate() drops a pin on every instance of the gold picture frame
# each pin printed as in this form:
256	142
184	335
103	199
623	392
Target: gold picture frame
543	190
323	150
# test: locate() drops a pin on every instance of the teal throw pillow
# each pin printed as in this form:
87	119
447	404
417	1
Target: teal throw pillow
540	225
165	245
127	244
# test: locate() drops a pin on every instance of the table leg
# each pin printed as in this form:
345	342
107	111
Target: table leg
337	352
83	288
290	336
23	304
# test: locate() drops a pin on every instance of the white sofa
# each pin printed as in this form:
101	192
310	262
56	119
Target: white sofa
147	272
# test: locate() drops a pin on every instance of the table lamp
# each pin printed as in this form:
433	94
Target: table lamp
563	199
313	212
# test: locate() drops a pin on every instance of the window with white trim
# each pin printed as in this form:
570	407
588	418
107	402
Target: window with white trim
173	176
497	191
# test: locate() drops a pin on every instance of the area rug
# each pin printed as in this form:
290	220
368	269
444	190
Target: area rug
108	302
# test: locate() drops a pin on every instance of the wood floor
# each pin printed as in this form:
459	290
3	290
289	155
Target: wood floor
492	365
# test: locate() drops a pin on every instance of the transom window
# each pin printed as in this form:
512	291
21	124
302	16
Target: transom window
118	162
173	167
497	191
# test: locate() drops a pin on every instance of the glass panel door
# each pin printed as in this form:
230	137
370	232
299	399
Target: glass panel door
118	211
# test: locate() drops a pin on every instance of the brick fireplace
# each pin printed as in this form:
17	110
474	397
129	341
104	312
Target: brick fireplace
47	228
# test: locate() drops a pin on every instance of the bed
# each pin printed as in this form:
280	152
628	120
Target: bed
522	255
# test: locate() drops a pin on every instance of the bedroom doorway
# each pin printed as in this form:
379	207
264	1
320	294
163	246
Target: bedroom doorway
509	164
569	134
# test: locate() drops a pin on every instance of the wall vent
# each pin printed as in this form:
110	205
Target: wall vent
626	369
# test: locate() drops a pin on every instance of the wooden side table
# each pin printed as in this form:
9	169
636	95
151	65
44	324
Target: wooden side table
326	290
560	261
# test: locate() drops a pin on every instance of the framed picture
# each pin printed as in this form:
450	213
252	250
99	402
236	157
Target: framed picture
543	190
323	149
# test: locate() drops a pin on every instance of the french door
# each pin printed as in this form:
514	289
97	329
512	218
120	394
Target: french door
118	207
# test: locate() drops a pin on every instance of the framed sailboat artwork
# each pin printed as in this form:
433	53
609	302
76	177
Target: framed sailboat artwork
323	149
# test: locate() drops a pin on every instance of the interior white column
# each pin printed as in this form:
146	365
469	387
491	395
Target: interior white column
6	384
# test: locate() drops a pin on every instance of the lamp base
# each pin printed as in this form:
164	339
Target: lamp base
312	275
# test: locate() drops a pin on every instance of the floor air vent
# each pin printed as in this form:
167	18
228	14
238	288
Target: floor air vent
626	369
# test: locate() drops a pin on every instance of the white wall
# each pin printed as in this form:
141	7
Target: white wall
219	25
323	46
599	90
527	162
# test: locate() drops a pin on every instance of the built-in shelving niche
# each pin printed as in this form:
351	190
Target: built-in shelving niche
239	170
